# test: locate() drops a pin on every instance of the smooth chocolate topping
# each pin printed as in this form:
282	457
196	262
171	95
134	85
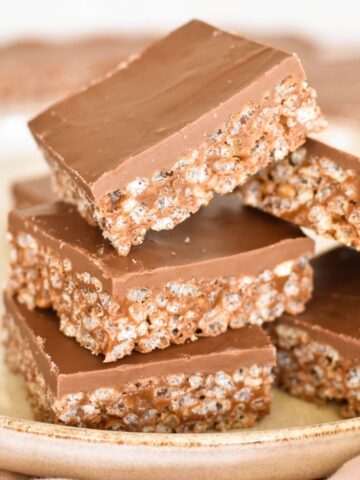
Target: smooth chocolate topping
337	271
333	315
32	192
142	118
333	320
343	159
69	368
223	239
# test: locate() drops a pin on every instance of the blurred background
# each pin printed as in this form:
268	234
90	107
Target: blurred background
48	49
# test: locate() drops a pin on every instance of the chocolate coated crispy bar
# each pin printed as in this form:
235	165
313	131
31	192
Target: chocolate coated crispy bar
319	350
194	115
227	266
33	191
221	382
317	186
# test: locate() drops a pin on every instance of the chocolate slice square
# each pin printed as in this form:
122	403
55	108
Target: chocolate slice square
319	350
26	193
220	382
226	267
195	114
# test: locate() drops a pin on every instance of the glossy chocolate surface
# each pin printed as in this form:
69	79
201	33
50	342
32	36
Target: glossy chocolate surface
32	192
143	118
223	239
338	271
68	368
333	315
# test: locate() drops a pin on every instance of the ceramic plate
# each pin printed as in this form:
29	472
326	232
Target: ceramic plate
297	440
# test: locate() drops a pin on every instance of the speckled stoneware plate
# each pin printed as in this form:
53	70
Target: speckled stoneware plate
297	440
273	450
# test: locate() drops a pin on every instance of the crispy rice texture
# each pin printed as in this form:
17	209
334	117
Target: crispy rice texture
310	191
171	403
315	371
251	139
146	319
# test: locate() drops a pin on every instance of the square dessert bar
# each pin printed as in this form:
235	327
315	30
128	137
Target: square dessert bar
319	350
227	266
220	382
316	186
26	193
195	114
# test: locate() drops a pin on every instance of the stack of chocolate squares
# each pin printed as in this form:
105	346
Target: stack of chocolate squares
115	323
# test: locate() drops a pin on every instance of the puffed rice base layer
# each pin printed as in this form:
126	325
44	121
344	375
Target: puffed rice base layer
147	319
171	403
315	371
310	191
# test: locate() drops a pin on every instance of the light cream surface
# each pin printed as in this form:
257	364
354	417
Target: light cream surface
278	447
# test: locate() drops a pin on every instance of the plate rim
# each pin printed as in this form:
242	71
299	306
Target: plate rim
239	438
